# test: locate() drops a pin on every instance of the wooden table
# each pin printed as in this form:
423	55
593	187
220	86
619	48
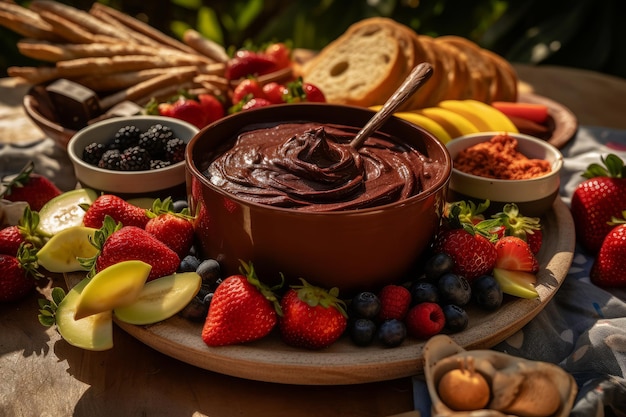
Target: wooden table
42	375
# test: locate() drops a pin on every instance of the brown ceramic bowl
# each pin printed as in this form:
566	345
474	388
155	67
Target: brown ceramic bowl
352	250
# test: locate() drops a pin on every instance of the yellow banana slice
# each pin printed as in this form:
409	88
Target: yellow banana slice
497	119
454	123
427	123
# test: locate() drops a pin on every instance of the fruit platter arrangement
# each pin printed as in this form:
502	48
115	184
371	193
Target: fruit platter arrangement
102	63
137	263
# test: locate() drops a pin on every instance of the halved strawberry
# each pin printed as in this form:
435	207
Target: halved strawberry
513	253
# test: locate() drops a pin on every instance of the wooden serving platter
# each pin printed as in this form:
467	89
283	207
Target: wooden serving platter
271	360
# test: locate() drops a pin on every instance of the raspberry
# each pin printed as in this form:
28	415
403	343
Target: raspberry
395	301
425	320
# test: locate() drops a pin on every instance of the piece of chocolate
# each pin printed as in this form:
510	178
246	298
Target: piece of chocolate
73	104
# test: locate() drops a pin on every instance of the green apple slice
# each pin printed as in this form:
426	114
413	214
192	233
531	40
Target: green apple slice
60	253
116	286
517	283
161	298
92	333
64	211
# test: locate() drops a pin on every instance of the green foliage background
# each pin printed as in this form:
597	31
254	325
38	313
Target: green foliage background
588	34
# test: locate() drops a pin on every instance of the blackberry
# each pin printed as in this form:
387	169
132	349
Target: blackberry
159	163
93	152
155	138
125	137
135	159
111	159
175	150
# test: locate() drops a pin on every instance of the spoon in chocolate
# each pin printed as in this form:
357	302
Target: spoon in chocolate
418	76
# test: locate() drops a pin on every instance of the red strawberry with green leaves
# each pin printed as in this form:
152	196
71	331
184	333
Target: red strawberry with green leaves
608	266
473	254
116	243
28	186
300	91
212	106
242	310
515	254
249	63
313	317
116	207
524	227
12	237
395	301
597	200
175	229
18	274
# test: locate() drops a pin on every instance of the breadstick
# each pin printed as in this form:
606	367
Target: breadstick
205	46
216	68
72	32
119	81
119	63
34	75
213	80
30	26
143	28
131	34
164	93
79	17
54	52
146	87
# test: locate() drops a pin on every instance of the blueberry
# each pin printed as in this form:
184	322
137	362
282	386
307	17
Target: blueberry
196	310
391	333
487	292
210	271
189	263
206	300
437	265
179	205
454	289
456	317
362	331
365	305
424	291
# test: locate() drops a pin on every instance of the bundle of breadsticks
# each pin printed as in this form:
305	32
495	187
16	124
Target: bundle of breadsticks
117	56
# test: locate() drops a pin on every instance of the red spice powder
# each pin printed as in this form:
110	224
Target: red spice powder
499	158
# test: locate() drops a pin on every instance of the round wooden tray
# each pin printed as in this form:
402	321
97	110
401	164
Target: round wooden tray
271	360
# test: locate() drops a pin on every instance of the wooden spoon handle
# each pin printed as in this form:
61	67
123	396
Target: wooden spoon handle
418	76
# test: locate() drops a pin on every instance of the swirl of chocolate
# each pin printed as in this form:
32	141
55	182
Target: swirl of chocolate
310	167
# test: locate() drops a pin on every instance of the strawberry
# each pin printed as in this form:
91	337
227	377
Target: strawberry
212	106
172	228
299	91
608	269
18	274
246	62
242	310
526	228
30	187
256	103
116	243
247	90
514	253
12	237
425	320
473	254
313	93
394	302
313	318
116	207
275	92
280	53
597	199
186	109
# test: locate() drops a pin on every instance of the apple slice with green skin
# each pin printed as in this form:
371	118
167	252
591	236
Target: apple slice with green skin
517	283
64	211
118	285
61	253
161	298
92	333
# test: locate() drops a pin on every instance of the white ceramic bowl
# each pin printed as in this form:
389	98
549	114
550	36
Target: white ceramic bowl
533	196
127	182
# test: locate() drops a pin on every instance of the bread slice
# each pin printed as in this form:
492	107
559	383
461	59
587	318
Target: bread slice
360	67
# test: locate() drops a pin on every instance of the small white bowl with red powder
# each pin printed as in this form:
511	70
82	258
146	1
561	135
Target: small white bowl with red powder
505	168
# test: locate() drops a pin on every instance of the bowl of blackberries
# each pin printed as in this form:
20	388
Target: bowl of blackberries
135	155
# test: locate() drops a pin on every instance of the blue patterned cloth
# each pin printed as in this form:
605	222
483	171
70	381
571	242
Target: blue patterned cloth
583	328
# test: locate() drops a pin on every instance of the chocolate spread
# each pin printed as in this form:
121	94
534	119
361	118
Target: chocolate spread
312	167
